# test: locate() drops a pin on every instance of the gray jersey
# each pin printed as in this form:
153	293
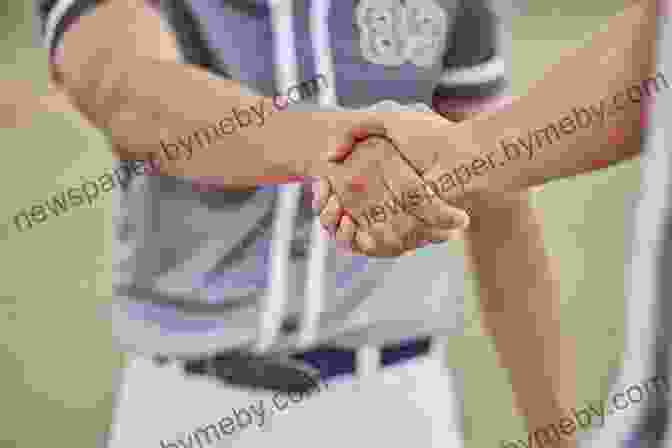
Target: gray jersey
202	269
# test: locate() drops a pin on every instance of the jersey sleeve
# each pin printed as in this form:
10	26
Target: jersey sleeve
474	62
55	17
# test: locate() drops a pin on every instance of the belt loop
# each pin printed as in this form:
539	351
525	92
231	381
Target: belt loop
367	361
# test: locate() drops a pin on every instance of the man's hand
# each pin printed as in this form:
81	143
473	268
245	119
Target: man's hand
418	132
423	136
377	204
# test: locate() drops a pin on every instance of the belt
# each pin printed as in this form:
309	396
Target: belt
298	372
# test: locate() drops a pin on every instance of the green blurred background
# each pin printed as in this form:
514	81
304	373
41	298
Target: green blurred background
56	356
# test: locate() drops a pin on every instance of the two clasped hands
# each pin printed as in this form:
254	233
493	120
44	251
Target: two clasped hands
390	186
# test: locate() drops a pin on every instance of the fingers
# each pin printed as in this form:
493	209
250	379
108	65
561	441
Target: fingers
365	244
444	216
345	234
330	217
392	230
339	224
393	211
416	198
410	192
394	208
356	134
383	239
380	239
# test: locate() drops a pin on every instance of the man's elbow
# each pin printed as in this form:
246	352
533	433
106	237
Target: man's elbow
94	86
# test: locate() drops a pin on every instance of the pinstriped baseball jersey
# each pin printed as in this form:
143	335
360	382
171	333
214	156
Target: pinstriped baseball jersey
192	263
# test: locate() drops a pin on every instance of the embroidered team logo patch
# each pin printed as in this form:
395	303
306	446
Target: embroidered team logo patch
393	33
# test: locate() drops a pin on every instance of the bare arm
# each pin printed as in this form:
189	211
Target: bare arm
519	292
518	282
461	163
130	85
617	58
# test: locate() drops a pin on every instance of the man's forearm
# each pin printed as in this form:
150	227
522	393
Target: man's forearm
518	282
142	111
617	58
545	121
155	105
516	278
520	297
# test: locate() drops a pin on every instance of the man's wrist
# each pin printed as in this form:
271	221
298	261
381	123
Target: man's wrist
490	164
459	170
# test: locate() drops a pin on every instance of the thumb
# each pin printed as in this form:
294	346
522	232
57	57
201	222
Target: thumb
354	135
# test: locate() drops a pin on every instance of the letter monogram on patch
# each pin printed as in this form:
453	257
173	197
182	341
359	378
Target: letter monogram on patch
392	33
427	31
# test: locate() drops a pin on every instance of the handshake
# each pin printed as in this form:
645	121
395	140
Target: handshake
385	191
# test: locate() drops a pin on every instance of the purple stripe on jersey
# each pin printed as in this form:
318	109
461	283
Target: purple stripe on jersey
169	319
358	264
218	283
632	441
245	43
